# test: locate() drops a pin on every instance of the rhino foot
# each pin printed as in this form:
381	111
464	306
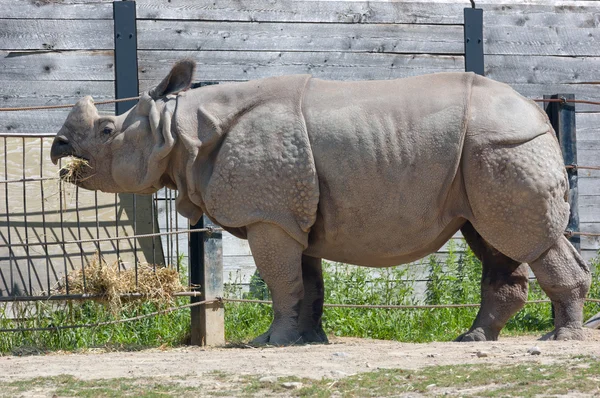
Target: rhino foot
565	333
315	336
280	338
477	334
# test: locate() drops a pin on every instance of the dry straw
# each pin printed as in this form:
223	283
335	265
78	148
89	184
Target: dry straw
74	170
110	282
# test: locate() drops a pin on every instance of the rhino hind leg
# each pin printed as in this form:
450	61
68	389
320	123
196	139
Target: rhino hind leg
311	307
517	197
504	288
278	258
565	277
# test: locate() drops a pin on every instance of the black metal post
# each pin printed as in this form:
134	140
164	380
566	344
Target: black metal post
562	117
126	69
206	276
473	30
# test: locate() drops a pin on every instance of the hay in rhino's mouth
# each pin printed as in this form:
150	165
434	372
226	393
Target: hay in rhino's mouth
74	170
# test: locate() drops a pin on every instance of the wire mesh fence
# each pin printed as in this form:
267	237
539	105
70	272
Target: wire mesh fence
49	228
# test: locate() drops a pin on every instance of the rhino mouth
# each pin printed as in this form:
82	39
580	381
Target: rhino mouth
75	170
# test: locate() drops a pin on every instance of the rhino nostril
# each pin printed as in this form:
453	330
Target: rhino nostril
61	147
61	140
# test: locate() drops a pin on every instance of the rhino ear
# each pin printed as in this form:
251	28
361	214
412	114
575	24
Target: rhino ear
179	79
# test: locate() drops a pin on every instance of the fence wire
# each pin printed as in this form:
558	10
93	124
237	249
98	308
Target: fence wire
222	300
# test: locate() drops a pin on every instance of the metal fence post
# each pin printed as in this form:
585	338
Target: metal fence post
126	75
206	276
562	117
473	30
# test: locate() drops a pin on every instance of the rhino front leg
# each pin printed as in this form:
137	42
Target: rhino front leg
278	257
566	279
504	286
311	307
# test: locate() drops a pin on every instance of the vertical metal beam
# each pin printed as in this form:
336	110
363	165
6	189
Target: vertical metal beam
206	276
473	30
562	117
126	75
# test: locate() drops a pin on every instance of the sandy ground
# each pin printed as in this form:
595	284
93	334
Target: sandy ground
343	357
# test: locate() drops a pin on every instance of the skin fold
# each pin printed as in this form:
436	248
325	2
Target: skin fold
374	173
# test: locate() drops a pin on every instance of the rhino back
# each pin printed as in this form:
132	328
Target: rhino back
387	155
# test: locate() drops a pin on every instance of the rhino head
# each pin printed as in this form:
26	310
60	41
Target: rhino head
126	153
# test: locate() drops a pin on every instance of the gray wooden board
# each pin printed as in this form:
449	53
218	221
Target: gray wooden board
542	69
399	38
26	93
589	206
246	65
52	9
543	14
54	65
304	11
550	40
244	36
44	34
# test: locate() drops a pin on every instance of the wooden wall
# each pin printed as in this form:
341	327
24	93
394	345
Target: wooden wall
55	52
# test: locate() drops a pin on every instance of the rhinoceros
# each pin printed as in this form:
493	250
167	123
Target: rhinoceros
374	173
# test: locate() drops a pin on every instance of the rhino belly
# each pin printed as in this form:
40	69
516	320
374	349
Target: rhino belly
387	166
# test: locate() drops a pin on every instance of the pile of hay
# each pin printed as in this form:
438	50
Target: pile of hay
73	170
113	284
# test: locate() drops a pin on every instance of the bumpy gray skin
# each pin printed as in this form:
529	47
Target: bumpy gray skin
372	173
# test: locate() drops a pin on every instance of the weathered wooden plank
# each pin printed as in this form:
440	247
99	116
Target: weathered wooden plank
381	38
51	65
574	14
588	126
244	65
588	149
304	11
589	209
32	122
26	93
43	34
52	9
549	40
590	242
542	69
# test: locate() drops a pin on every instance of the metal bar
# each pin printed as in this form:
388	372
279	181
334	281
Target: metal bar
44	216
206	276
176	236
562	118
72	242
28	179
126	78
97	225
152	215
135	253
473	36
62	228
170	226
29	263
10	250
117	230
81	253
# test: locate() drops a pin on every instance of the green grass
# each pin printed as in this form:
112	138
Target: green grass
455	280
576	375
168	329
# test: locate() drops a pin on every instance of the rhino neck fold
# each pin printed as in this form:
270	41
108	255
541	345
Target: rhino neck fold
244	156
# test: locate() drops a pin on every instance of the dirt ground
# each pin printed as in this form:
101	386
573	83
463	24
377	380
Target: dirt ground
343	357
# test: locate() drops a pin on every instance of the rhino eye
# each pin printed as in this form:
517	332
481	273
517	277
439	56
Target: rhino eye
107	131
